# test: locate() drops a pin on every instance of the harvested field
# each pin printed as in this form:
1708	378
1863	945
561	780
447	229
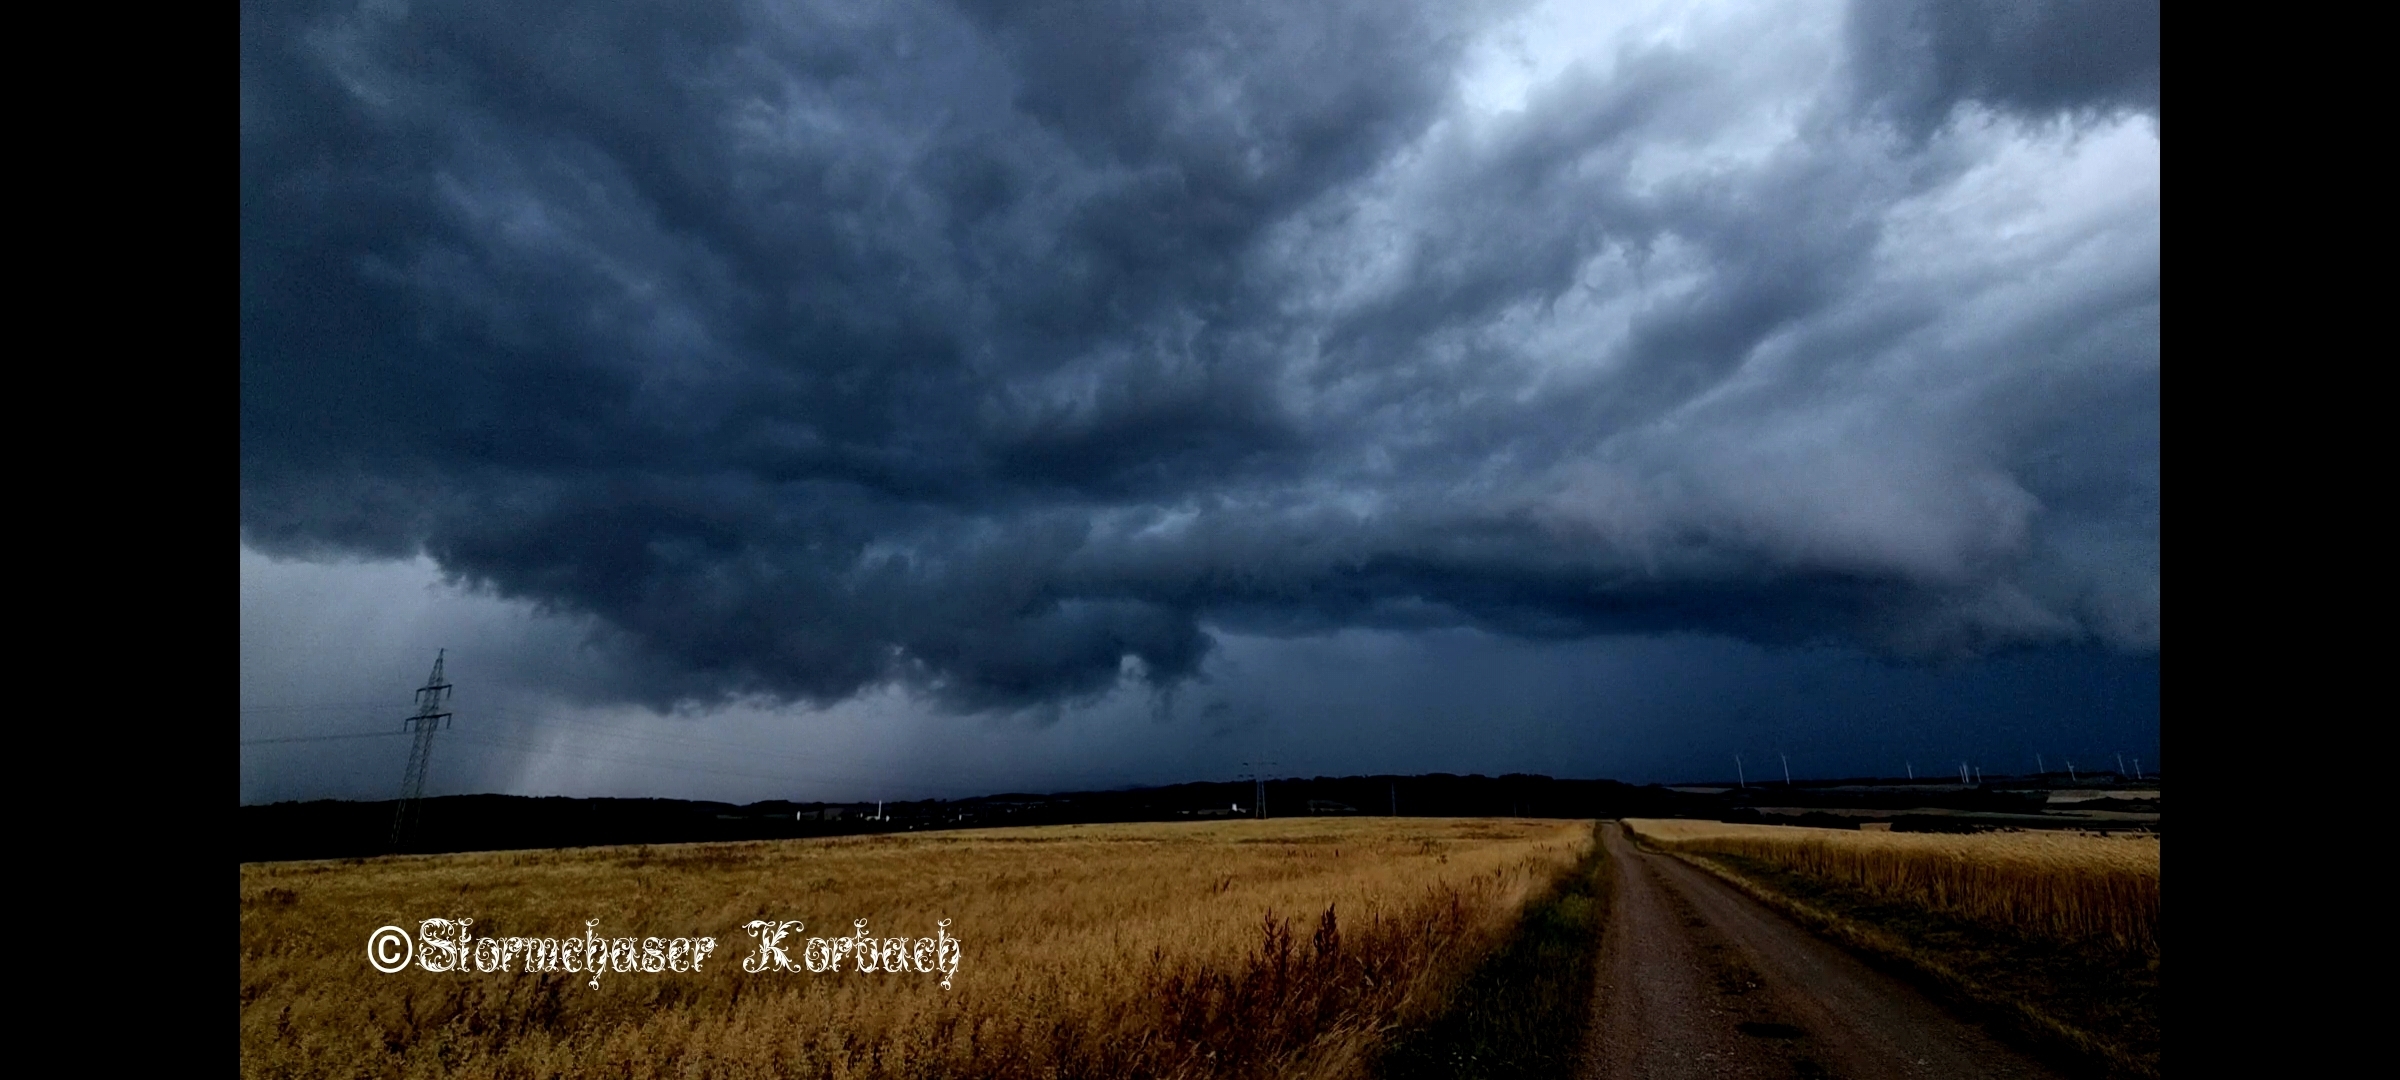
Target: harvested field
1244	948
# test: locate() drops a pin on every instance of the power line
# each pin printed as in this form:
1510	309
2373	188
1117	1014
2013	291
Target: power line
430	718
681	766
844	772
746	749
1258	774
533	749
511	716
321	738
526	748
529	748
315	706
528	718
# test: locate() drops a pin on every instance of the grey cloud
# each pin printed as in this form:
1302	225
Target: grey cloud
996	349
1924	57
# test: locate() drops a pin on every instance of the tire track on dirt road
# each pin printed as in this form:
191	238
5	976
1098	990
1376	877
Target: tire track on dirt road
1697	980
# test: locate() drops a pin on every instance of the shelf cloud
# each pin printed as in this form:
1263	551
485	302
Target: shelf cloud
1015	352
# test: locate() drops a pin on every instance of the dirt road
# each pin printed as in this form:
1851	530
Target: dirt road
1697	980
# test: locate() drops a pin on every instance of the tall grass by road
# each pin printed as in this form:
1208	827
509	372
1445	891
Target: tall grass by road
1523	1015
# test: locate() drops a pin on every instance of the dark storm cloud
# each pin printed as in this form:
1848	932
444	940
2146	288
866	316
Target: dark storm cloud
996	348
1924	57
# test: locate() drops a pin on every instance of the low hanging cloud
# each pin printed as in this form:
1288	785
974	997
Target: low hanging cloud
1001	350
1922	59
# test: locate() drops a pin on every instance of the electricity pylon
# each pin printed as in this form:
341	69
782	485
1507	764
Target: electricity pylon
431	717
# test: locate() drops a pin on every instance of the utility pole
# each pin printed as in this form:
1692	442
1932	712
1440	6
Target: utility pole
2137	768
2039	768
1787	768
430	718
2071	777
1395	798
1258	775
2120	766
1740	777
1912	770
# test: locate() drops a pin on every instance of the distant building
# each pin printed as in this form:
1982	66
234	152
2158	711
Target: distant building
1328	806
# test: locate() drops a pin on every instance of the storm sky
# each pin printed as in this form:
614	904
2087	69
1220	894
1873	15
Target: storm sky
902	399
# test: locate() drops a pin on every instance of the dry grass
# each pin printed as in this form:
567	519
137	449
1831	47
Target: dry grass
2054	885
1277	948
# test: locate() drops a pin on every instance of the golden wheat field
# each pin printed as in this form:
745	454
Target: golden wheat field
2053	884
1242	948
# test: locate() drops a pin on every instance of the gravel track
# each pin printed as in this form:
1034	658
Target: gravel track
1698	980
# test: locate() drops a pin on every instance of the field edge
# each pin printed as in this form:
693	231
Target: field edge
2015	1020
1523	1012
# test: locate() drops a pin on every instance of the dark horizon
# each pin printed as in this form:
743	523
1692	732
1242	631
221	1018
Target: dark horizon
343	829
2056	778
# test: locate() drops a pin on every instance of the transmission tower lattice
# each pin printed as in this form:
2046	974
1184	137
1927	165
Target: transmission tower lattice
1258	777
431	717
